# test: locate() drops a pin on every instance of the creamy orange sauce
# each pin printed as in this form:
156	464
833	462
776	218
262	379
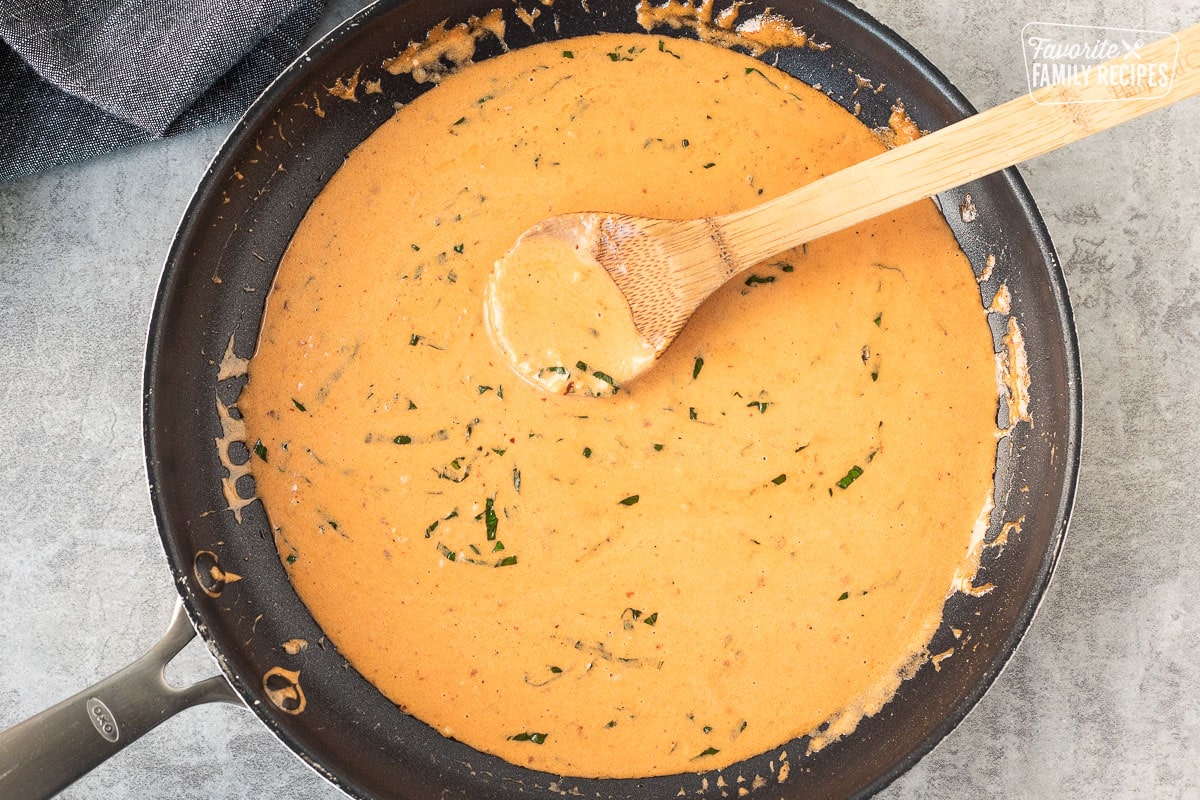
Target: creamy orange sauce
752	542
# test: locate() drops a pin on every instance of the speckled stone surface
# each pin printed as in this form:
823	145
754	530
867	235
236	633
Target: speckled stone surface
1101	700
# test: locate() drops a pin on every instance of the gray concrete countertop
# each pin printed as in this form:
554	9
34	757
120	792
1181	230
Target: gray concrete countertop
1102	699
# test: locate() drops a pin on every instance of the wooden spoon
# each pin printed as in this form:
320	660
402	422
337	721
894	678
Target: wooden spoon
665	269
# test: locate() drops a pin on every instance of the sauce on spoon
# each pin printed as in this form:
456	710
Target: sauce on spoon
560	320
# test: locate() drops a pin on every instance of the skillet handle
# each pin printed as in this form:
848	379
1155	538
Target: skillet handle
48	752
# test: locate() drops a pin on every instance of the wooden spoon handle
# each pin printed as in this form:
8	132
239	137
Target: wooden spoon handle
1018	130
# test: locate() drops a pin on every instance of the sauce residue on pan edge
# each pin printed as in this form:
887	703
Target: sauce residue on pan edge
754	542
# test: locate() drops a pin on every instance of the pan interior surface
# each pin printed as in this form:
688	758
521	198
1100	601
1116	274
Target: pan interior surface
219	541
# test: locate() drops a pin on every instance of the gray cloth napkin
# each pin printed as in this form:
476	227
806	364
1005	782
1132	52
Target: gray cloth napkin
84	77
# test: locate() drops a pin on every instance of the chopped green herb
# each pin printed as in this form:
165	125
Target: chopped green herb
498	546
785	267
455	471
499	451
843	596
458	248
412	406
658	447
707	729
483	389
557	370
298	404
517	479
879	319
556	670
631	500
691	412
612	723
651	619
507	561
779	479
460	120
662	48
529	736
708	751
291	559
760	405
416	249
685	143
581	366
755	279
568	54
587	452
432	527
490	520
697	365
402	439
875	375
607	379
447	553
710	165
260	450
850	477
414	340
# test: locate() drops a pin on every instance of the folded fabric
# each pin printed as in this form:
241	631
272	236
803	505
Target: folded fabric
84	77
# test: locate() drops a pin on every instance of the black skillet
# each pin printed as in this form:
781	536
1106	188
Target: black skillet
213	289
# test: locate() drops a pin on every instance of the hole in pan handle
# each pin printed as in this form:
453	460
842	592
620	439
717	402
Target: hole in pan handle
48	752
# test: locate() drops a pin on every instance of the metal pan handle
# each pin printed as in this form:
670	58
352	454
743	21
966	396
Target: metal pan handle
47	753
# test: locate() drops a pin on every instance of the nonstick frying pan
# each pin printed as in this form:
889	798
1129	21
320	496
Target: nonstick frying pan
232	585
